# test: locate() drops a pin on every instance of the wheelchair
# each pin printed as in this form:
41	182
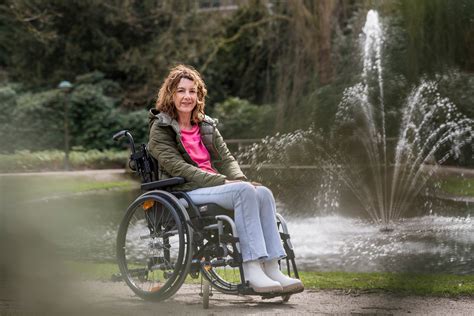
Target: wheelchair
164	237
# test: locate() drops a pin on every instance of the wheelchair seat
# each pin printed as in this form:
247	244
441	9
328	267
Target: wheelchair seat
212	209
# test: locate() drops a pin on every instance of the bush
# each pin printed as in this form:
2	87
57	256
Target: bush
240	119
35	120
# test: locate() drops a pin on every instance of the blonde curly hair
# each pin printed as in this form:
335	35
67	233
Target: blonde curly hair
164	102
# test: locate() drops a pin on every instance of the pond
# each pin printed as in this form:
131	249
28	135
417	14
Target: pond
83	226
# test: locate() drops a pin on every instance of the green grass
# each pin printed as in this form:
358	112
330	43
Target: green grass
400	283
48	160
34	187
458	186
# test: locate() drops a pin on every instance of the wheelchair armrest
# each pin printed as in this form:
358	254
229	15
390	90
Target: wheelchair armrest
162	183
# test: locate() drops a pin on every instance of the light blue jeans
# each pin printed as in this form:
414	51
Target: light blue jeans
254	216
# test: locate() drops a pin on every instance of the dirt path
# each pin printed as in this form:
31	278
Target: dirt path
188	301
107	298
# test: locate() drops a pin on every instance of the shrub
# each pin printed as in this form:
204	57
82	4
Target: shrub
35	120
240	119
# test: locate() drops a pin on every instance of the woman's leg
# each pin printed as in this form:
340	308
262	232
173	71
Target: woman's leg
267	209
273	242
242	198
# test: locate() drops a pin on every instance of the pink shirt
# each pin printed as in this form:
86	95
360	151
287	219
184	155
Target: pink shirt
192	142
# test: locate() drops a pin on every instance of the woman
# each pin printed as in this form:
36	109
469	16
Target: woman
187	144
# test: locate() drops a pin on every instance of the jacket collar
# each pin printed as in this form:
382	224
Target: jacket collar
164	119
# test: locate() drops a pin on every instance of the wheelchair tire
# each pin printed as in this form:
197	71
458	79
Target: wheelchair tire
154	246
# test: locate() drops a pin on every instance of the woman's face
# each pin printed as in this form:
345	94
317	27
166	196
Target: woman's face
185	97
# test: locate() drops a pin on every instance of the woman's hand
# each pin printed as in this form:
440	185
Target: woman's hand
256	184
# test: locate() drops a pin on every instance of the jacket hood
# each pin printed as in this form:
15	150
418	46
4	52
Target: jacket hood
163	119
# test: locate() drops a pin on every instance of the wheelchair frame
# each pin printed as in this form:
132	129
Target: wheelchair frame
205	235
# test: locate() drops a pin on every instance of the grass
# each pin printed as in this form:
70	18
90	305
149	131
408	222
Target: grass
402	283
34	187
458	186
399	283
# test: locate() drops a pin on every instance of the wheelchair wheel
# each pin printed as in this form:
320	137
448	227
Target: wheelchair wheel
154	247
224	278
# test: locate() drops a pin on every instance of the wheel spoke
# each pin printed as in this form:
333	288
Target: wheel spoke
152	249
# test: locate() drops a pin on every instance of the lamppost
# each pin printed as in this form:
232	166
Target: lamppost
66	87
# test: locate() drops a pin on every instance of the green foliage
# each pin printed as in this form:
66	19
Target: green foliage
35	120
438	35
117	54
230	74
240	119
134	42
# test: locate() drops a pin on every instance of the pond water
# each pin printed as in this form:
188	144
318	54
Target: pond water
84	226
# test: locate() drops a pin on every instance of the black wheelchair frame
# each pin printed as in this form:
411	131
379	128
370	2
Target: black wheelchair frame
164	236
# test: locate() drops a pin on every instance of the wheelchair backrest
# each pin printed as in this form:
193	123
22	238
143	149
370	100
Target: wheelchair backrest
143	163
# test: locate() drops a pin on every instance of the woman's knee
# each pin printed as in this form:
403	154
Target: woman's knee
246	189
264	193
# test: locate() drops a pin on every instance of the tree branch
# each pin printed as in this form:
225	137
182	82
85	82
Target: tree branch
236	36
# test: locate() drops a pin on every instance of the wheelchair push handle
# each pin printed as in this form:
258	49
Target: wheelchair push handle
123	133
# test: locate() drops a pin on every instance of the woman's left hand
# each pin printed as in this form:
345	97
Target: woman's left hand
256	184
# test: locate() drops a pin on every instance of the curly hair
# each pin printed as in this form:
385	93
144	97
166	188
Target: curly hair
164	102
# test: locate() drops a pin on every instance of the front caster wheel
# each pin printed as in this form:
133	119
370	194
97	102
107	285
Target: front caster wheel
286	298
205	293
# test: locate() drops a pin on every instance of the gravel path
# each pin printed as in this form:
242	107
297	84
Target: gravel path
119	299
108	298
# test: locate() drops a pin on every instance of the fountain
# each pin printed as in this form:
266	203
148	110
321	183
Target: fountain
431	131
384	173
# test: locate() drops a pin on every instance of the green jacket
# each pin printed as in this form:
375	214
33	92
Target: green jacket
166	146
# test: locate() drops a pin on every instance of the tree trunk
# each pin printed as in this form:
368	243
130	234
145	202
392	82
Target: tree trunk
325	14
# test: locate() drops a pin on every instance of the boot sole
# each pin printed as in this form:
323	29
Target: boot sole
297	287
268	289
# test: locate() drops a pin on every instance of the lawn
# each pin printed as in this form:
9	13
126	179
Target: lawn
458	186
39	186
400	283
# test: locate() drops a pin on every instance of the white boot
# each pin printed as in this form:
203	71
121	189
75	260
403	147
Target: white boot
272	270
259	282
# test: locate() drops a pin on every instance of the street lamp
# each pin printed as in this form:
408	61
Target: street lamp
66	87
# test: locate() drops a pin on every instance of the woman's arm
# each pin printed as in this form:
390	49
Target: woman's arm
162	145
